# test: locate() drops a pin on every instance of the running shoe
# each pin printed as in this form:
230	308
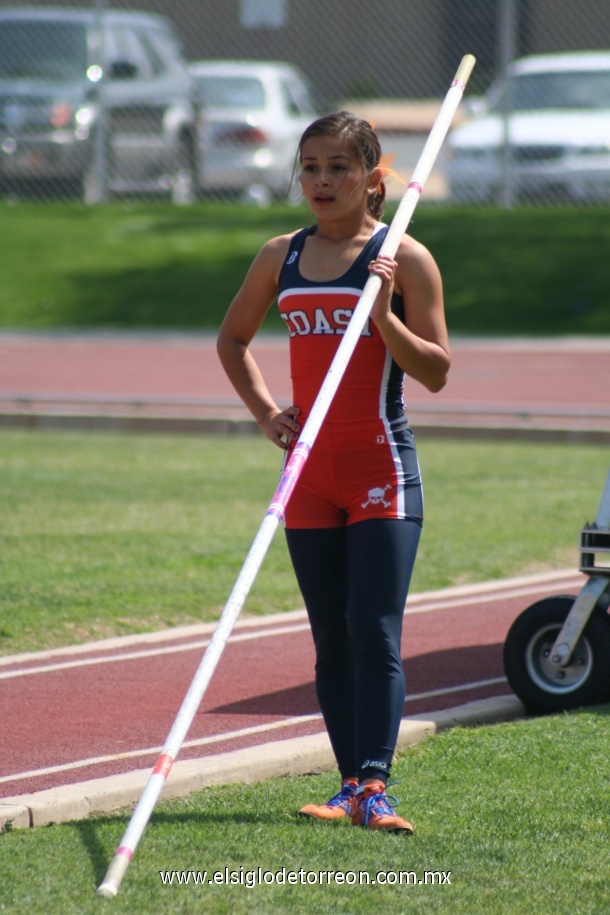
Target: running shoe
338	807
373	808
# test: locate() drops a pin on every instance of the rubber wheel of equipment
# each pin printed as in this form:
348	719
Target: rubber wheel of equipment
544	687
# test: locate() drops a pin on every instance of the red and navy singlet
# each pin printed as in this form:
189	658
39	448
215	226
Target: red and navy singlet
316	316
363	463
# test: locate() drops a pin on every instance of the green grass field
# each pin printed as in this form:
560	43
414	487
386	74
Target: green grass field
515	817
106	535
114	534
526	271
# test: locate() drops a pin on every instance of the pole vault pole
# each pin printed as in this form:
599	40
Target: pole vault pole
192	700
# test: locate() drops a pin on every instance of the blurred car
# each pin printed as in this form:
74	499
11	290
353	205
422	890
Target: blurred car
554	110
254	113
120	119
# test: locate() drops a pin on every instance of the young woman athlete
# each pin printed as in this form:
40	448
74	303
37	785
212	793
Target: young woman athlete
354	519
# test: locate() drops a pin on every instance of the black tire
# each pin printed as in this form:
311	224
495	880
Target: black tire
544	687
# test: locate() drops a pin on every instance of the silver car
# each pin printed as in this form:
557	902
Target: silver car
95	104
545	133
254	113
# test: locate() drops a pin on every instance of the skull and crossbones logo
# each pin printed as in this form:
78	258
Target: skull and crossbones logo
376	496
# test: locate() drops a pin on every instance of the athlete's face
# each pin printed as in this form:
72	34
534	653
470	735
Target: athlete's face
331	176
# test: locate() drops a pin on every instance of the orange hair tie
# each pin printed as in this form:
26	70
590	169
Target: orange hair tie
384	167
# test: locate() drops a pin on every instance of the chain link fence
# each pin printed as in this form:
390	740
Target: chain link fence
160	98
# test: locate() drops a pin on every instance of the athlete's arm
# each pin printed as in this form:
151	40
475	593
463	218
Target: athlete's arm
420	346
242	320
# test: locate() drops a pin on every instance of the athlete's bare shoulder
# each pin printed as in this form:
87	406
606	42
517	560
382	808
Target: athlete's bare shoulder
414	258
412	251
277	247
272	255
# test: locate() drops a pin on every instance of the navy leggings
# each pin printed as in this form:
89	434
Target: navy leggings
354	581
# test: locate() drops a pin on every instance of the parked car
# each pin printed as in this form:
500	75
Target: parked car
95	103
254	113
554	110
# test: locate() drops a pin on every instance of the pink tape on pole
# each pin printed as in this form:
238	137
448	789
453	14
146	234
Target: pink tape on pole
125	852
416	186
289	479
459	84
164	764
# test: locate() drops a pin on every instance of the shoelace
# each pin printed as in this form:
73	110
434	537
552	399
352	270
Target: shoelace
385	804
346	794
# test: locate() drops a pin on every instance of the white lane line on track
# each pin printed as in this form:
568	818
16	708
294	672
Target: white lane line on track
201	742
153	652
469	599
447	690
232	735
490	598
567	578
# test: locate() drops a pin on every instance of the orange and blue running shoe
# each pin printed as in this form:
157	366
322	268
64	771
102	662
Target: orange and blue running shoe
338	807
374	809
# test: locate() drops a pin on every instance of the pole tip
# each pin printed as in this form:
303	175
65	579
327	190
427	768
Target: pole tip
107	890
465	68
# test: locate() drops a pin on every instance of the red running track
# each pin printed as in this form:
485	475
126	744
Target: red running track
91	711
558	382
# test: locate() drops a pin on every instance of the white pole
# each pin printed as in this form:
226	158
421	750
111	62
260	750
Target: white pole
133	833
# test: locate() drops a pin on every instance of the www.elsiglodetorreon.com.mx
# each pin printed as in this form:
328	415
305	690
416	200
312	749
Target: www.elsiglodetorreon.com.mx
261	877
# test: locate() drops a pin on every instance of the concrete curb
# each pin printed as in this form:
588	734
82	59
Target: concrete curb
182	425
296	756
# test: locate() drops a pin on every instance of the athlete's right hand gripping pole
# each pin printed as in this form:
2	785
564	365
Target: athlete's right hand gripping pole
398	226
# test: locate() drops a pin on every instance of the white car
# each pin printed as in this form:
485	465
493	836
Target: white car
65	129
253	114
554	114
